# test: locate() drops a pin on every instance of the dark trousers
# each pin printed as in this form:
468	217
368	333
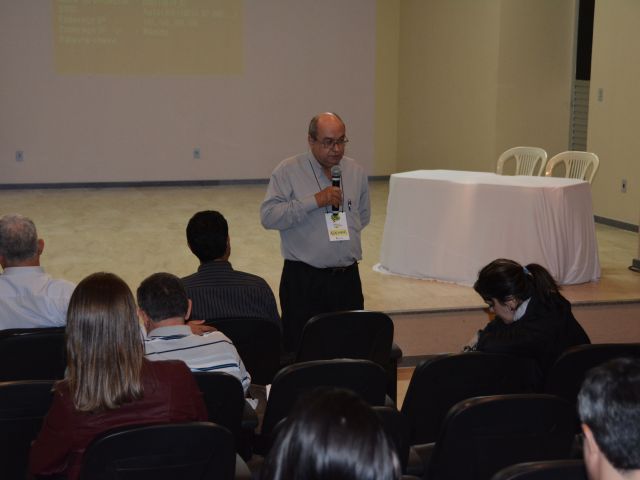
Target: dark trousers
306	291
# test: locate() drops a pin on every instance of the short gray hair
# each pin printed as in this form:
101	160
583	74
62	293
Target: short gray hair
18	238
609	404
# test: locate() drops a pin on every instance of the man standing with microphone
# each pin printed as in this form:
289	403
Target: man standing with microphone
319	201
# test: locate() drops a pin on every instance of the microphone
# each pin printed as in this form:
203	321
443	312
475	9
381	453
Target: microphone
336	174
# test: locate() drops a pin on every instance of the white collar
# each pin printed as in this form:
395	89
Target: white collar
521	310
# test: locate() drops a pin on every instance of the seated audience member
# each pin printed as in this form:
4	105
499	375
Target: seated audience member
108	382
163	307
609	409
216	289
532	318
330	435
29	298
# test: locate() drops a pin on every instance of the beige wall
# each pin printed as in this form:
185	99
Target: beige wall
535	72
448	66
613	122
479	77
299	57
421	83
386	86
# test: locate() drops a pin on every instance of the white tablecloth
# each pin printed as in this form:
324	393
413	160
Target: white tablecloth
447	225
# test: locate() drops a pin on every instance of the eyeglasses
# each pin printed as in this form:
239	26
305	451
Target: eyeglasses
333	142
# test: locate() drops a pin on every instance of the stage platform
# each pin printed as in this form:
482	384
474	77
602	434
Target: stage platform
136	231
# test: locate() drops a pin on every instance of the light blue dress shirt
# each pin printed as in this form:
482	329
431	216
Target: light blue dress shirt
290	207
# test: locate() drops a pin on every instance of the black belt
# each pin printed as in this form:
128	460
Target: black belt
330	270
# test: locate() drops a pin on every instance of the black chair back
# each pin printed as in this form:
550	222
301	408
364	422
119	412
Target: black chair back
364	377
226	406
441	382
196	450
23	406
397	428
567	373
32	354
544	470
15	331
481	436
349	334
258	342
362	334
224	398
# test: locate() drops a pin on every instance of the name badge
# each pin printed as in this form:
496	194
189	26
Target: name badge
337	226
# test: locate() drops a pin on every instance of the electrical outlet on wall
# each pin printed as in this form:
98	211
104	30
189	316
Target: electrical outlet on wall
623	185
196	153
19	156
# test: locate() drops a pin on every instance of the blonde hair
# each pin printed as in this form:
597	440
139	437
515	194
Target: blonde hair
104	344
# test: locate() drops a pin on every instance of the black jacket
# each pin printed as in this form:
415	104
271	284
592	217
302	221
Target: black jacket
542	333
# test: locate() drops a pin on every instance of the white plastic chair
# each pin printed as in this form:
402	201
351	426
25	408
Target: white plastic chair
576	164
527	159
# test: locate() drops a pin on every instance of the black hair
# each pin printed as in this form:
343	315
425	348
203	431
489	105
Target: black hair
207	234
504	279
332	435
162	296
609	404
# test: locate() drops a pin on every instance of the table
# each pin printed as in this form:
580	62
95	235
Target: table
446	225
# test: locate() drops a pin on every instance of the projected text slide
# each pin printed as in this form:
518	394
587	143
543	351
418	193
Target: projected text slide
148	37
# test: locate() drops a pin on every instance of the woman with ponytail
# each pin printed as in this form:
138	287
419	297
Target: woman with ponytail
532	318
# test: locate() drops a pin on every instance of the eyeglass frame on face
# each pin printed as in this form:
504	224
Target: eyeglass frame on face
329	143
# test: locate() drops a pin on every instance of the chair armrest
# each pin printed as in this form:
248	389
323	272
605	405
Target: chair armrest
242	470
249	418
419	457
396	352
415	465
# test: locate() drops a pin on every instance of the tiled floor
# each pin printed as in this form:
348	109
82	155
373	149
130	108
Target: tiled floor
138	231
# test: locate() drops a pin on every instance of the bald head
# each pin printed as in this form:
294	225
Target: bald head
323	118
327	139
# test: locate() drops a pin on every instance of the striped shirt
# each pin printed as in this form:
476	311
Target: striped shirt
218	291
211	352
